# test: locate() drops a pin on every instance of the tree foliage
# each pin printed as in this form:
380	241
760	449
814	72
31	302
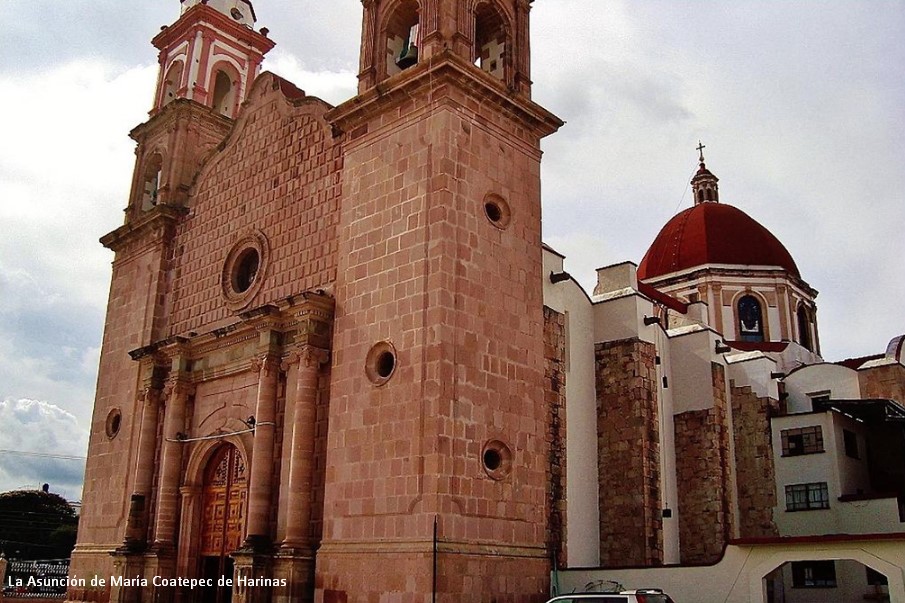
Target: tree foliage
36	525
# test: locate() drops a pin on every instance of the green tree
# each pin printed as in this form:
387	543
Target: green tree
36	525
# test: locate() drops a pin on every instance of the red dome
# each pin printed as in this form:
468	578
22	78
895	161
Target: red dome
713	233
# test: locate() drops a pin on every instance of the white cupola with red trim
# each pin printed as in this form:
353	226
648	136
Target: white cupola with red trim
211	55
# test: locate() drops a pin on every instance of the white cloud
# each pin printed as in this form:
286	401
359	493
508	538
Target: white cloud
40	428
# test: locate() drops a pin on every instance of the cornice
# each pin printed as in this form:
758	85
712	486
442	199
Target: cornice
202	15
179	109
426	77
152	222
688	277
287	317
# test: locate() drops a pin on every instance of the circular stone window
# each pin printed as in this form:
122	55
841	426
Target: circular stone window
244	269
497	211
381	362
496	459
114	422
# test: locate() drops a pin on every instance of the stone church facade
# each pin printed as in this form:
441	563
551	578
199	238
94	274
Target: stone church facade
339	365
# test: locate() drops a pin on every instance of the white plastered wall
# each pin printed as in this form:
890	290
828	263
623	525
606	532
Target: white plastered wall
582	514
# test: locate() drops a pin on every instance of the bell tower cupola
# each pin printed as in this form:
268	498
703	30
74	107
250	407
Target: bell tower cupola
209	59
491	35
704	185
210	55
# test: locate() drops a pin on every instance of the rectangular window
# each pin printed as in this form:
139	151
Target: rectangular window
875	578
804	440
851	444
807	497
814	574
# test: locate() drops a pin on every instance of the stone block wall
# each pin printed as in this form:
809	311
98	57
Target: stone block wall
883	382
754	462
628	433
554	396
703	475
288	193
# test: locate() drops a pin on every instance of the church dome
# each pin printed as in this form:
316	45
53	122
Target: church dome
713	233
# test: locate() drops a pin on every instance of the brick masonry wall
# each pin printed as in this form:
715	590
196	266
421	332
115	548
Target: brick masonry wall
277	173
631	528
554	394
703	477
754	468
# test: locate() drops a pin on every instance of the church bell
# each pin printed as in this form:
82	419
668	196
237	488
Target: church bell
409	54
408	57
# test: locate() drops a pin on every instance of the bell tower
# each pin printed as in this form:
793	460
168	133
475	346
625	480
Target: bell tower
437	448
208	60
490	34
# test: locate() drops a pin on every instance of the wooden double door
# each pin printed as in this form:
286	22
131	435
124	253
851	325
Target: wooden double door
224	508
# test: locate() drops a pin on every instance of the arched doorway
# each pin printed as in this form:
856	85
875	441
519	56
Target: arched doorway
224	506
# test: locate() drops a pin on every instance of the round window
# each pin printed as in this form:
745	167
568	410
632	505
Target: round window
381	362
497	211
496	459
244	270
114	423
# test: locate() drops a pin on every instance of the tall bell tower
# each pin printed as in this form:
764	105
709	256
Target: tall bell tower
437	452
208	60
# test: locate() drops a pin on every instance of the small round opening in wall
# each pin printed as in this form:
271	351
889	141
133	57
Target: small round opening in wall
492	459
114	422
497	459
386	362
246	270
497	211
380	363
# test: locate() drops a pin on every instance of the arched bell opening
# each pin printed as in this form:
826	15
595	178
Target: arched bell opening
402	37
171	84
225	82
151	177
491	41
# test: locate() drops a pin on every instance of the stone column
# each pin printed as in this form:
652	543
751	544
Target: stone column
261	477
137	528
177	392
301	464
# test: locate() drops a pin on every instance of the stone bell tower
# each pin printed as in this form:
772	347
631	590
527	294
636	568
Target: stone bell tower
437	456
208	59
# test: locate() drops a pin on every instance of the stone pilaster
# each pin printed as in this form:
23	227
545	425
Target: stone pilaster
177	392
259	487
139	505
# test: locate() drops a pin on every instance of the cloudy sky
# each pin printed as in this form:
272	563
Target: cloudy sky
801	105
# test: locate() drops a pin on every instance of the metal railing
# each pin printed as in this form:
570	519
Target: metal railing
38	579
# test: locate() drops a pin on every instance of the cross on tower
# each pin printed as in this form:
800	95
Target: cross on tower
701	148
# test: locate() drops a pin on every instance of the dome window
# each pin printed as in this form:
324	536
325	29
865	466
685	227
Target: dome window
804	328
750	319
